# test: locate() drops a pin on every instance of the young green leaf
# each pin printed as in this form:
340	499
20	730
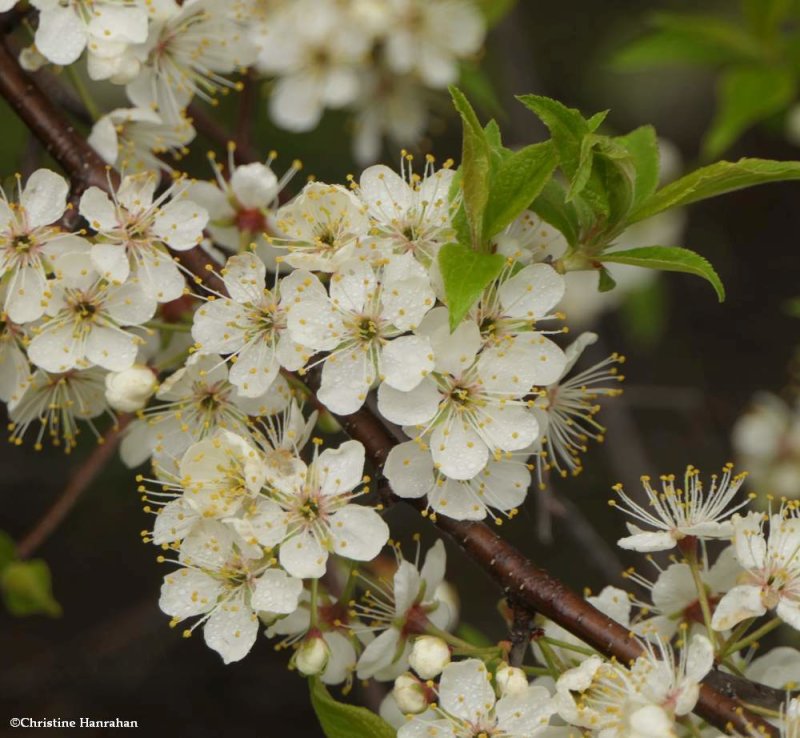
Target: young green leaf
747	96
695	40
465	274
606	282
341	720
27	589
716	179
552	207
567	127
515	184
668	259
642	145
475	167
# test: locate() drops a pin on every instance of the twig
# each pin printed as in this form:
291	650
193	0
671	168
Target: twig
81	480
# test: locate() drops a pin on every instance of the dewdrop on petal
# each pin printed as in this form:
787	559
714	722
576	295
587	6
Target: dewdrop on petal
312	656
429	655
510	680
409	693
130	389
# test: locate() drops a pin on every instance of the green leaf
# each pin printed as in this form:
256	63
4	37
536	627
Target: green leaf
466	273
495	10
695	40
8	550
606	282
515	184
341	720
642	145
27	589
552	207
475	167
668	259
747	95
764	16
567	127
716	179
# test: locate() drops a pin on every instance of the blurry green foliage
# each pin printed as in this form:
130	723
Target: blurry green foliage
27	588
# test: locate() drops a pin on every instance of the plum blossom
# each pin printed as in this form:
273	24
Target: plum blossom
502	485
226	582
32	245
324	226
251	325
361	324
771	578
676	512
314	515
472	405
134	229
85	324
467	707
399	609
410	213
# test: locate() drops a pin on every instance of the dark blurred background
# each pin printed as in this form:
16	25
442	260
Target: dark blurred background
112	654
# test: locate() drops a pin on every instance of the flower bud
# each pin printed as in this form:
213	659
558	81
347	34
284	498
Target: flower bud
447	595
429	656
409	693
129	390
510	680
312	656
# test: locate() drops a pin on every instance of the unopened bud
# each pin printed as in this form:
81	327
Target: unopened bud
129	390
510	680
312	656
447	595
409	693
429	656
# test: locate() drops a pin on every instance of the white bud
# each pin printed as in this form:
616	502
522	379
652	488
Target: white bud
312	656
510	680
409	694
429	656
129	390
447	595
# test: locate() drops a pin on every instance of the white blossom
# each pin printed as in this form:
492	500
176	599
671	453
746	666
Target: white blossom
467	707
362	325
130	389
678	512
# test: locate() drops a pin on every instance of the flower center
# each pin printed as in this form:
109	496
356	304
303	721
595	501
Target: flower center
22	243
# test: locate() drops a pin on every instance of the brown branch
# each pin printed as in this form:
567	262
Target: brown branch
77	485
521	580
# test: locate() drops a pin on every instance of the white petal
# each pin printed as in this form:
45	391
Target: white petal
739	604
187	592
409	408
180	223
128	304
277	592
174	521
508	427
409	469
341	469
465	691
44	197
244	277
532	292
353	285
111	261
346	379
647	542
454	351
406	361
303	556
458	450
231	630
378	654
61	36
359	533
97	208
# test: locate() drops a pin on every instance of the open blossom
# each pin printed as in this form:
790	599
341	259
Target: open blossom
473	404
324	226
361	323
400	609
467	707
250	325
314	515
86	321
189	49
676	512
32	246
529	239
429	38
640	702
14	366
410	214
134	229
771	579
502	485
195	401
566	409
106	27
56	403
136	139
242	207
315	50
226	582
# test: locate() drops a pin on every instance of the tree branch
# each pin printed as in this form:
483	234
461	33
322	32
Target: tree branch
521	580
